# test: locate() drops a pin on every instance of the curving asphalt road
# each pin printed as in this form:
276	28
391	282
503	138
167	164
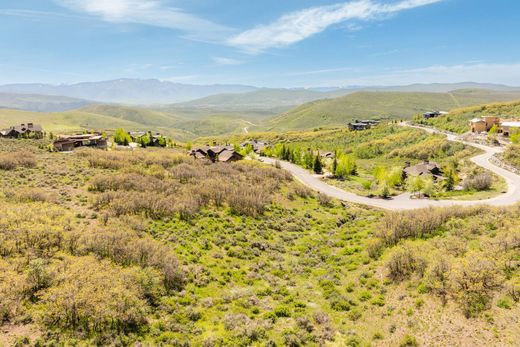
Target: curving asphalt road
404	201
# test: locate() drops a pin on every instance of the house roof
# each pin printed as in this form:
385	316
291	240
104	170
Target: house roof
23	128
227	154
477	120
514	124
424	168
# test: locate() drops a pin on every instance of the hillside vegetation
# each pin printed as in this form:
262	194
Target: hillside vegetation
266	100
155	248
110	117
40	103
371	162
457	120
369	105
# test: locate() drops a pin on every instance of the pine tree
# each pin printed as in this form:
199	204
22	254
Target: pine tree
317	166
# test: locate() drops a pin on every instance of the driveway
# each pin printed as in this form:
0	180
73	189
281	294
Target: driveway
404	201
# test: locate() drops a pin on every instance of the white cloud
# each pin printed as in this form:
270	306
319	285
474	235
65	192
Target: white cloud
299	25
226	61
149	12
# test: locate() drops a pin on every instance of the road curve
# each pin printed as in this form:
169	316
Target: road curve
404	201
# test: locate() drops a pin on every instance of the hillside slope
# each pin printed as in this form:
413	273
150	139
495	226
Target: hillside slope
134	114
40	103
341	110
79	120
458	120
276	100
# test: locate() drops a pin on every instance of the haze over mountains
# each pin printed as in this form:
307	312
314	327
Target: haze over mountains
129	91
225	109
219	97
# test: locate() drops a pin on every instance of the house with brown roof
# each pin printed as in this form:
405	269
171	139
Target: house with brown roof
425	168
228	156
216	153
69	143
29	130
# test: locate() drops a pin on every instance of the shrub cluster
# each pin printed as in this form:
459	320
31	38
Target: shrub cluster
479	182
185	187
420	223
13	160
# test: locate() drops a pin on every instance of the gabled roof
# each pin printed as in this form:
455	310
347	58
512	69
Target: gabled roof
227	154
424	168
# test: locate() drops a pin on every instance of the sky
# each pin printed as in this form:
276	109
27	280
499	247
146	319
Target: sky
265	43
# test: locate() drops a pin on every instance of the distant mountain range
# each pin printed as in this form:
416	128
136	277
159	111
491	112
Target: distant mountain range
127	91
226	97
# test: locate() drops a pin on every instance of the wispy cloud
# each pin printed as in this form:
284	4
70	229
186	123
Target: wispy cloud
149	12
299	25
226	61
475	72
33	14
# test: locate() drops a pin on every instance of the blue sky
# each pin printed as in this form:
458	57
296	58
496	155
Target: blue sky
271	43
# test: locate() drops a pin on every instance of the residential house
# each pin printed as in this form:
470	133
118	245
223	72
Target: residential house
327	155
69	143
508	127
215	153
228	156
478	125
362	124
423	169
433	114
257	146
156	139
486	123
29	130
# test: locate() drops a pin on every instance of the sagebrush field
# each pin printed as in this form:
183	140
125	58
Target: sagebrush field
114	248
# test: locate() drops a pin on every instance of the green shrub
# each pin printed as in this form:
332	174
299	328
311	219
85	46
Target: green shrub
282	311
409	341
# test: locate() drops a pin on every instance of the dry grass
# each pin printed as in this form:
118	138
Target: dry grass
13	160
180	186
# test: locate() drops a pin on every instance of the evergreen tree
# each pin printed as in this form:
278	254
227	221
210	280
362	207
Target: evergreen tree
308	159
317	166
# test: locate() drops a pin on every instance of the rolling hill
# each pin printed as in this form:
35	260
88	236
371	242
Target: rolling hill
263	100
80	120
338	111
458	119
40	103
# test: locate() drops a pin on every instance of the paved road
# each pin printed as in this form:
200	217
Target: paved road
403	201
